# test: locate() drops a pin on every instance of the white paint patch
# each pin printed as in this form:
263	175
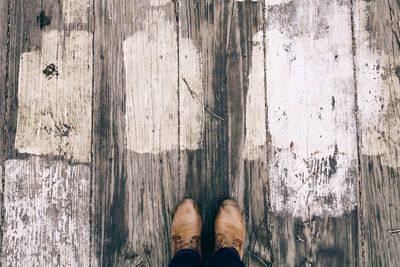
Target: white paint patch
151	68
54	109
255	104
311	116
47	221
76	11
159	2
277	2
378	95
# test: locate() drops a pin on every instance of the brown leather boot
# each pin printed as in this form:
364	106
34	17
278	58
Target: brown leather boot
186	227
230	227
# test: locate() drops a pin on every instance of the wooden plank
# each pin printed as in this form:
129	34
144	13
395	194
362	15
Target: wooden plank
136	131
247	131
3	78
46	213
43	125
232	163
109	171
254	189
312	123
48	128
3	59
34	28
377	72
205	171
205	23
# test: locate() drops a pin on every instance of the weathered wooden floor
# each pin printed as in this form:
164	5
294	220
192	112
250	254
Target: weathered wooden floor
113	111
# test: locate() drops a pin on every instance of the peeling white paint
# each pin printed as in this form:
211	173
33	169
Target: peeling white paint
47	220
151	70
159	2
378	89
311	116
255	103
54	110
76	10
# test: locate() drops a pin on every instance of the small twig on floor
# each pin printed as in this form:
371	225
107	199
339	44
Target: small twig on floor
196	97
299	239
258	258
394	232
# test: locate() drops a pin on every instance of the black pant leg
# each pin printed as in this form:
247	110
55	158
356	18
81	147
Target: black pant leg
226	257
186	258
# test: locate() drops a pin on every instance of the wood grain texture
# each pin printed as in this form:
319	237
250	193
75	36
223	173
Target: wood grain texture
47	197
43	125
4	37
136	131
109	154
28	24
3	60
113	111
377	71
312	123
46	213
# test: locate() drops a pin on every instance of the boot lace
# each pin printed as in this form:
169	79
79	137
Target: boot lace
224	242
191	243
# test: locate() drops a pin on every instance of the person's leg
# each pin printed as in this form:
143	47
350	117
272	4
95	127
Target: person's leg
229	236
186	258
186	232
228	257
